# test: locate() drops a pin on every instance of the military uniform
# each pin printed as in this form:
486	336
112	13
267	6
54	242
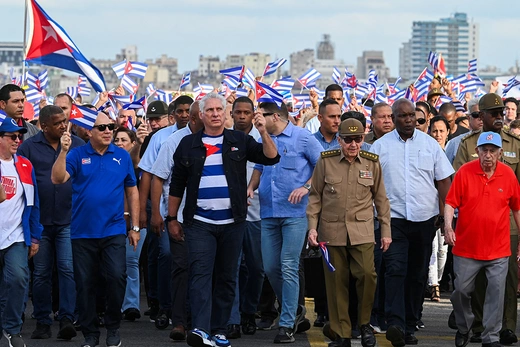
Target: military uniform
341	202
510	157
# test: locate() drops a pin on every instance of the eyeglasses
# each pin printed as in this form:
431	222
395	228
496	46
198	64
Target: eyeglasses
103	127
420	121
496	113
14	136
475	114
155	119
349	139
267	114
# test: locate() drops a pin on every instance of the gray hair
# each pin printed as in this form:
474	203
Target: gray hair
472	102
202	102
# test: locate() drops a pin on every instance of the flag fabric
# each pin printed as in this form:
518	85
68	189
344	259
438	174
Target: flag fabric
441	68
231	83
265	93
150	89
130	124
235	72
283	86
130	68
372	79
135	105
394	97
511	83
350	80
479	93
241	92
33	95
249	78
3	115
121	99
426	75
82	116
164	96
82	81
83	91
39	81
336	75
326	257
381	97
472	65
301	100
129	85
203	89
49	44
185	80
36	108
308	77
469	83
271	67
72	92
321	94
433	59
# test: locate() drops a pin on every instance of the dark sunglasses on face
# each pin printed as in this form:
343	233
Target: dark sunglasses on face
475	114
349	139
14	136
496	113
102	127
420	121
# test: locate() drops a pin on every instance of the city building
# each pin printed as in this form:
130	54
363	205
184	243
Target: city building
372	60
325	49
455	38
11	53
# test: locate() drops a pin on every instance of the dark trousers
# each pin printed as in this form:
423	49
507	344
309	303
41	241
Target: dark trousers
91	257
213	249
267	300
179	282
406	262
377	316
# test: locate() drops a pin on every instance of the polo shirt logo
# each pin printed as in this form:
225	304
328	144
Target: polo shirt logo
117	160
85	161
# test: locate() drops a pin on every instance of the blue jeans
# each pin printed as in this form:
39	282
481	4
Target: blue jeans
13	286
55	243
282	242
250	276
92	258
132	274
213	249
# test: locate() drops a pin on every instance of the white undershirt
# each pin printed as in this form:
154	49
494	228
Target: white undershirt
11	209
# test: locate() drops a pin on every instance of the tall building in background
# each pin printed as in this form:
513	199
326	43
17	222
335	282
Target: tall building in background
372	60
454	37
325	50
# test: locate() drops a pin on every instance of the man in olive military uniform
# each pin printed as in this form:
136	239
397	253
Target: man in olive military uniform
345	184
492	115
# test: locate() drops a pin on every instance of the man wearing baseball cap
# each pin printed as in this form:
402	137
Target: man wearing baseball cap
484	191
491	109
346	225
20	228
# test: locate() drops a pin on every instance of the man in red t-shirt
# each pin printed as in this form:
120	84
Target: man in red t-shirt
484	191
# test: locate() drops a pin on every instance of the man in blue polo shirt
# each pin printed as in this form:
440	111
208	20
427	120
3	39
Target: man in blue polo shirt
101	175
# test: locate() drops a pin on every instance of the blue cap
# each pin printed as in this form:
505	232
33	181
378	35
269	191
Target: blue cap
489	138
9	126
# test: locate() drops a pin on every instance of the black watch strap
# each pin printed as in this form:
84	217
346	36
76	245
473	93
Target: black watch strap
170	218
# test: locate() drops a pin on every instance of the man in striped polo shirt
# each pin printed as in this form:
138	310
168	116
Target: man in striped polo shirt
211	165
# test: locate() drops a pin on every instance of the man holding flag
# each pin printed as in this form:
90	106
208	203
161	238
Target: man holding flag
345	214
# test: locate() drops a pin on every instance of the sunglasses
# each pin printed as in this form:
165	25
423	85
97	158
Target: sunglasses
420	121
103	127
14	137
349	139
267	114
475	114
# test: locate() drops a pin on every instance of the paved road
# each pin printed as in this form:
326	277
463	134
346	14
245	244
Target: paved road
143	333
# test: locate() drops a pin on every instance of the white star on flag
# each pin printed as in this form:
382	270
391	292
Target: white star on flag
49	33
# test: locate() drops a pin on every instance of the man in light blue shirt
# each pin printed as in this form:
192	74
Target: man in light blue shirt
417	178
330	118
283	190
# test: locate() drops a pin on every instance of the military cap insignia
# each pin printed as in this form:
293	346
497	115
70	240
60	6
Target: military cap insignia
368	155
352	129
331	153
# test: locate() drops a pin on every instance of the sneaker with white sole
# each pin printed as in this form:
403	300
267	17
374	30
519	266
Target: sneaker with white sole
14	340
220	340
113	338
199	338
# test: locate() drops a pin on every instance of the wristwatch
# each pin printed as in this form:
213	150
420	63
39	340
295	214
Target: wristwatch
136	229
307	186
170	218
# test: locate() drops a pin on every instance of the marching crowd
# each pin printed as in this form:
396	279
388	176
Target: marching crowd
218	206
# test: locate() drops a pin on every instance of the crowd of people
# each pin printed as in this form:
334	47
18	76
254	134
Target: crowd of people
217	207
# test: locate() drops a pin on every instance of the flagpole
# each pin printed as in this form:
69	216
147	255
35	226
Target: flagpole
24	40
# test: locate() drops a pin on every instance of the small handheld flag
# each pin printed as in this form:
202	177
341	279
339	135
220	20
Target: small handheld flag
83	116
326	257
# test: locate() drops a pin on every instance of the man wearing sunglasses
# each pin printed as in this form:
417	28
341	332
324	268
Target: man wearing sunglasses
20	228
475	124
345	184
101	174
492	114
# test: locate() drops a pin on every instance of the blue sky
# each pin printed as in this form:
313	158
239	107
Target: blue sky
100	28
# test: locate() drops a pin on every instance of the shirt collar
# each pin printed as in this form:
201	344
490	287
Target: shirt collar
414	135
91	150
288	130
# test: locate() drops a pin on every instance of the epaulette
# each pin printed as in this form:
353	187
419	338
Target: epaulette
368	155
471	133
331	153
512	134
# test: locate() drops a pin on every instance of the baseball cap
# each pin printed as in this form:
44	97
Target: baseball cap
490	101
434	92
489	138
156	109
9	126
351	127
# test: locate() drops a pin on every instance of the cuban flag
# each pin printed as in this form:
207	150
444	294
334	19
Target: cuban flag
472	65
203	89
301	100
249	78
3	115
82	116
479	93
321	94
241	92
271	67
433	60
235	72
121	99
83	91
265	93
33	95
326	257
135	105
392	98
283	86
39	81
72	92
350	80
49	44
130	68
470	83
310	76
336	75
129	85
421	90
82	81
150	89
511	83
231	83
185	80
130	124
164	96
372	79
381	97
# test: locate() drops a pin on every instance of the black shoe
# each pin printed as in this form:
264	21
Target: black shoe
248	325
178	333
329	333
508	337
233	331
476	338
42	331
304	325
461	340
14	340
131	314
492	344
265	324
410	339
90	341
452	323
77	326
67	330
113	339
367	336
153	311
320	321
162	320
340	343
419	325
356	333
285	335
300	316
395	335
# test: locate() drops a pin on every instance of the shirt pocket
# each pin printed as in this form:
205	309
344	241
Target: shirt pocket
363	188
425	162
365	222
332	187
288	161
237	155
510	161
328	226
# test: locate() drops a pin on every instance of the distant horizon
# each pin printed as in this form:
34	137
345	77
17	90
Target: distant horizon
186	31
